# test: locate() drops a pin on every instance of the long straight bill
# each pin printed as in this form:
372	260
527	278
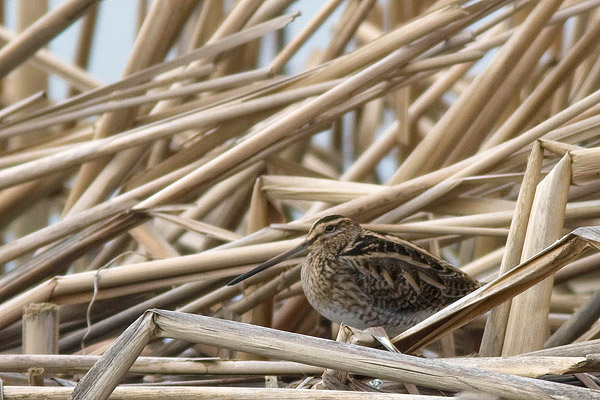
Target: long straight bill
269	263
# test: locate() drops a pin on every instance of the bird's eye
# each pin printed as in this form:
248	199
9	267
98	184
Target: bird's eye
330	228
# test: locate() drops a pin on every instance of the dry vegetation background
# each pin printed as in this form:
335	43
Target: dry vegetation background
468	127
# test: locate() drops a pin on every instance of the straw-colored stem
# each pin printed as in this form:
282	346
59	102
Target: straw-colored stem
276	131
485	160
575	326
511	84
40	33
347	357
127	316
526	328
355	14
183	393
308	30
161	27
460	116
40	329
544	88
84	43
493	337
157	365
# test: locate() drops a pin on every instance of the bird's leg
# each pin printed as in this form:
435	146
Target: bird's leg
378	332
381	336
333	379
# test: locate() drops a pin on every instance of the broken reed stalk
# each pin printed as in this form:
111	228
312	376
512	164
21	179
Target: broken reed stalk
495	330
40	329
101	379
158	365
506	286
174	393
527	366
544	227
94	185
40	335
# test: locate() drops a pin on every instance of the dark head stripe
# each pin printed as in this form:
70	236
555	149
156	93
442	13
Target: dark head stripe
311	238
328	218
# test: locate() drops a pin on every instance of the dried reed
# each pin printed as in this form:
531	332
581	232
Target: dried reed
470	128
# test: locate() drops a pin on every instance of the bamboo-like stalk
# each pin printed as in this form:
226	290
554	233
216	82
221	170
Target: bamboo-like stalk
46	61
111	175
459	116
85	39
292	47
40	329
235	126
207	51
27	79
157	365
515	79
40	335
543	89
274	132
171	393
578	268
40	33
23	104
493	340
102	147
543	228
156	34
576	325
532	271
100	381
86	110
485	160
150	270
173	296
347	26
258	218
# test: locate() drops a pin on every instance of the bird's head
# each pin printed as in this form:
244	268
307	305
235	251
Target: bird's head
328	235
332	233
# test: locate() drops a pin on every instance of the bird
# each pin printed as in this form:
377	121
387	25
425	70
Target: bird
366	279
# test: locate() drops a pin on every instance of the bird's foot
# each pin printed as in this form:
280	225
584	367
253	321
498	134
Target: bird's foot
379	334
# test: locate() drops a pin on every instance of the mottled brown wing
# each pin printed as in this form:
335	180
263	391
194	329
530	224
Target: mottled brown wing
387	267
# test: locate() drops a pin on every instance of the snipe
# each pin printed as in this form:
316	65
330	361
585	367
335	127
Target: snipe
367	279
